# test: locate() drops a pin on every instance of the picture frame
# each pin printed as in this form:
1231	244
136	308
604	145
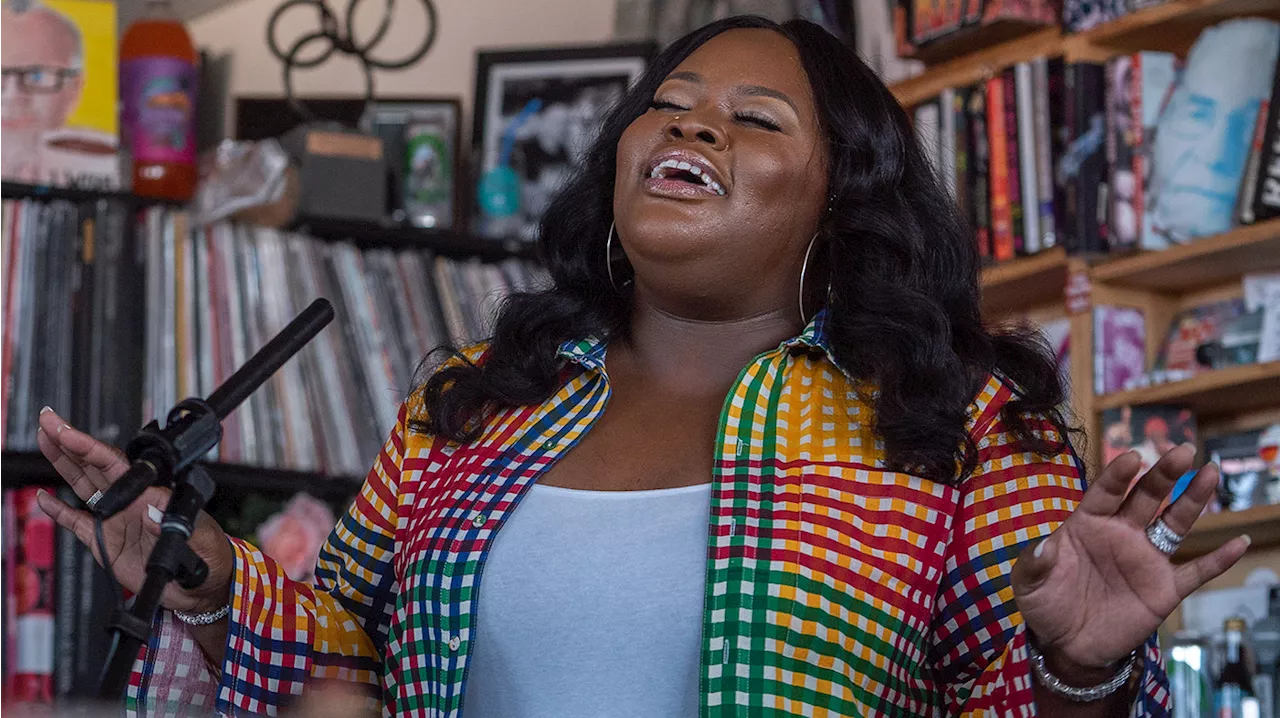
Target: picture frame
536	113
422	142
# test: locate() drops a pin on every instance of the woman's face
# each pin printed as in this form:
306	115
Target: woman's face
722	182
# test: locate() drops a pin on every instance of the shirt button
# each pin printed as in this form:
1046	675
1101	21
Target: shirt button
454	644
478	520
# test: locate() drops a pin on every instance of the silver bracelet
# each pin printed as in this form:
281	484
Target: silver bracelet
203	619
1079	695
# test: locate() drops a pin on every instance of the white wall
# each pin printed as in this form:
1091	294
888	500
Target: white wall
239	29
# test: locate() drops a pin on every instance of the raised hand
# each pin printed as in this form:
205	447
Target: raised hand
88	466
1098	587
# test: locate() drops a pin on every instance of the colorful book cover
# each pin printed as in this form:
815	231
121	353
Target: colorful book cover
1190	330
1013	158
979	167
60	93
1119	349
1081	171
1122	147
998	138
1080	15
1152	430
1154	76
34	598
1248	466
1265	202
1201	140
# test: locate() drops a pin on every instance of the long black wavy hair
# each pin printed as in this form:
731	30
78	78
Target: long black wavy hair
903	307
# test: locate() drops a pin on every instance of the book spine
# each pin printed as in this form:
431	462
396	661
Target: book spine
927	124
979	167
9	524
1044	150
1266	200
962	174
1027	152
1134	204
947	140
1013	160
33	669
1249	188
1001	213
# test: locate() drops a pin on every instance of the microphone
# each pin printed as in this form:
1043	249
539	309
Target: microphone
193	427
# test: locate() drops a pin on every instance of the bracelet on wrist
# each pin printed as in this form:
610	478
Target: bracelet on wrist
1090	694
203	619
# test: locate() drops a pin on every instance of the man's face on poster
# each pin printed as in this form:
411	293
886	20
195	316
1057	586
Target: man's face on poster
41	57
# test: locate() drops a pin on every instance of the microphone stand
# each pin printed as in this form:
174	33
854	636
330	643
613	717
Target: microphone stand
166	457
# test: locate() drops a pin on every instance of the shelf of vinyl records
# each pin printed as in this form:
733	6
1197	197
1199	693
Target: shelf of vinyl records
1170	26
117	309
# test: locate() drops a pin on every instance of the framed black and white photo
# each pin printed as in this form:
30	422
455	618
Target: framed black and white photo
420	139
536	113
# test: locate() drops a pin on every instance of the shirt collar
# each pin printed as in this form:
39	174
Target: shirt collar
589	352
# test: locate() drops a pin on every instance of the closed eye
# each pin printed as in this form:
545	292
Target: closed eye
662	105
759	121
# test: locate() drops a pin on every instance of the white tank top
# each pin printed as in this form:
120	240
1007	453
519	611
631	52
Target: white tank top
591	605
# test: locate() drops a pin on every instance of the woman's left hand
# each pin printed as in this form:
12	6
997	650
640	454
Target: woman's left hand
1097	587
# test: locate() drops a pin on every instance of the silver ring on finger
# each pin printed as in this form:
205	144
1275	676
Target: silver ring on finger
1165	539
93	500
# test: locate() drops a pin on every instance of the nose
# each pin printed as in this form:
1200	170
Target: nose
693	128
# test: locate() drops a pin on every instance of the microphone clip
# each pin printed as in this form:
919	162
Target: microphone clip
191	430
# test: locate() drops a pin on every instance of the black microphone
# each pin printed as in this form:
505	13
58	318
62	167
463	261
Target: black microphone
193	427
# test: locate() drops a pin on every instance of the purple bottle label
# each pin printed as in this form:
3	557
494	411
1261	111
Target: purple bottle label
159	96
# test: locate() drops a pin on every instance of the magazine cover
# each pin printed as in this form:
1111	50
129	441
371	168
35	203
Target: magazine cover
1202	138
1190	330
59	63
1152	430
1250	467
1119	349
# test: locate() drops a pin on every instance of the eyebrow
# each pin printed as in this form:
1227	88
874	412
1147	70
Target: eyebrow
748	90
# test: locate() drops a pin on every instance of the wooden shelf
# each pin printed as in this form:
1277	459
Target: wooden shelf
1172	26
1025	282
365	234
978	66
966	41
1225	391
1202	263
1262	523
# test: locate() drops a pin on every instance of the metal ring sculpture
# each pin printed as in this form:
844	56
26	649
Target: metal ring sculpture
340	37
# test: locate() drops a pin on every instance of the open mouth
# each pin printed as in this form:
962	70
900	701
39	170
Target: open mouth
678	170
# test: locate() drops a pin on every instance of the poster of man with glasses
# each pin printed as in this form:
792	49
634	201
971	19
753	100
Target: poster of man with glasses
59	106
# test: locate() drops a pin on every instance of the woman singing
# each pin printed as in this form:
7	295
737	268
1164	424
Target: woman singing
754	454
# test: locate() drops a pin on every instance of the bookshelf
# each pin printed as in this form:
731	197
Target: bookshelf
1022	283
27	467
366	235
1203	263
1160	284
1170	26
1225	391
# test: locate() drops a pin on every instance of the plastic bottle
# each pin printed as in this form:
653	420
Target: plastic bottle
158	97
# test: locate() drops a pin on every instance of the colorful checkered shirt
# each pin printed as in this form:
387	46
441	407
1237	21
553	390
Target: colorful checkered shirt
834	587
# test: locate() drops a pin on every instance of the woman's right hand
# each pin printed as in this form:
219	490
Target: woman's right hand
88	466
